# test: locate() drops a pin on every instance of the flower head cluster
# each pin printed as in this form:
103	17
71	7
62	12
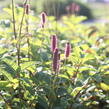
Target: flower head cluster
27	8
43	19
67	50
56	59
56	53
53	42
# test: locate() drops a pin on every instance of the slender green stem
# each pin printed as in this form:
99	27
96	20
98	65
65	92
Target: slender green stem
13	17
41	48
20	32
27	30
14	29
17	45
18	48
28	42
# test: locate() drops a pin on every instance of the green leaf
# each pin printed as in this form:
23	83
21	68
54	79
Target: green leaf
3	84
42	102
6	74
76	91
104	86
90	89
88	57
106	73
26	65
50	93
105	79
9	65
41	78
97	77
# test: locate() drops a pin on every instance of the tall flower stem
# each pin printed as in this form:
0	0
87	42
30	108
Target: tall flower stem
20	32
28	42
14	29
43	21
13	18
15	35
27	28
18	42
18	47
55	69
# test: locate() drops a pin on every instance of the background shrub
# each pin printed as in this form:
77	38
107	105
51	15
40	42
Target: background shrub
58	7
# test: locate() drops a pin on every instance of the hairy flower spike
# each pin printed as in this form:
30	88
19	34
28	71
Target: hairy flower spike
43	19
56	60
27	8
53	43
67	50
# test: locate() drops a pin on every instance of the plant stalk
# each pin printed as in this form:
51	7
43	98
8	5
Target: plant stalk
13	17
18	47
28	41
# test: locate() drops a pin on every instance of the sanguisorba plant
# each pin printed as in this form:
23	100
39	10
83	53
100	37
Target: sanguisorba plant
39	70
18	36
55	58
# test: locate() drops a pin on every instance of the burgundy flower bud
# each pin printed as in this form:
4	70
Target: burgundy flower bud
43	18
53	43
27	8
67	50
56	60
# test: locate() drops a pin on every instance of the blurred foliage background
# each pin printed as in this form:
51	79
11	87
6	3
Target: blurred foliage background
89	9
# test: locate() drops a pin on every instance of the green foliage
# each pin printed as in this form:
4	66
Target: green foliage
81	83
58	7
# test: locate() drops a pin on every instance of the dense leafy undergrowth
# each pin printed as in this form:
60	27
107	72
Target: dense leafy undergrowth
31	75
